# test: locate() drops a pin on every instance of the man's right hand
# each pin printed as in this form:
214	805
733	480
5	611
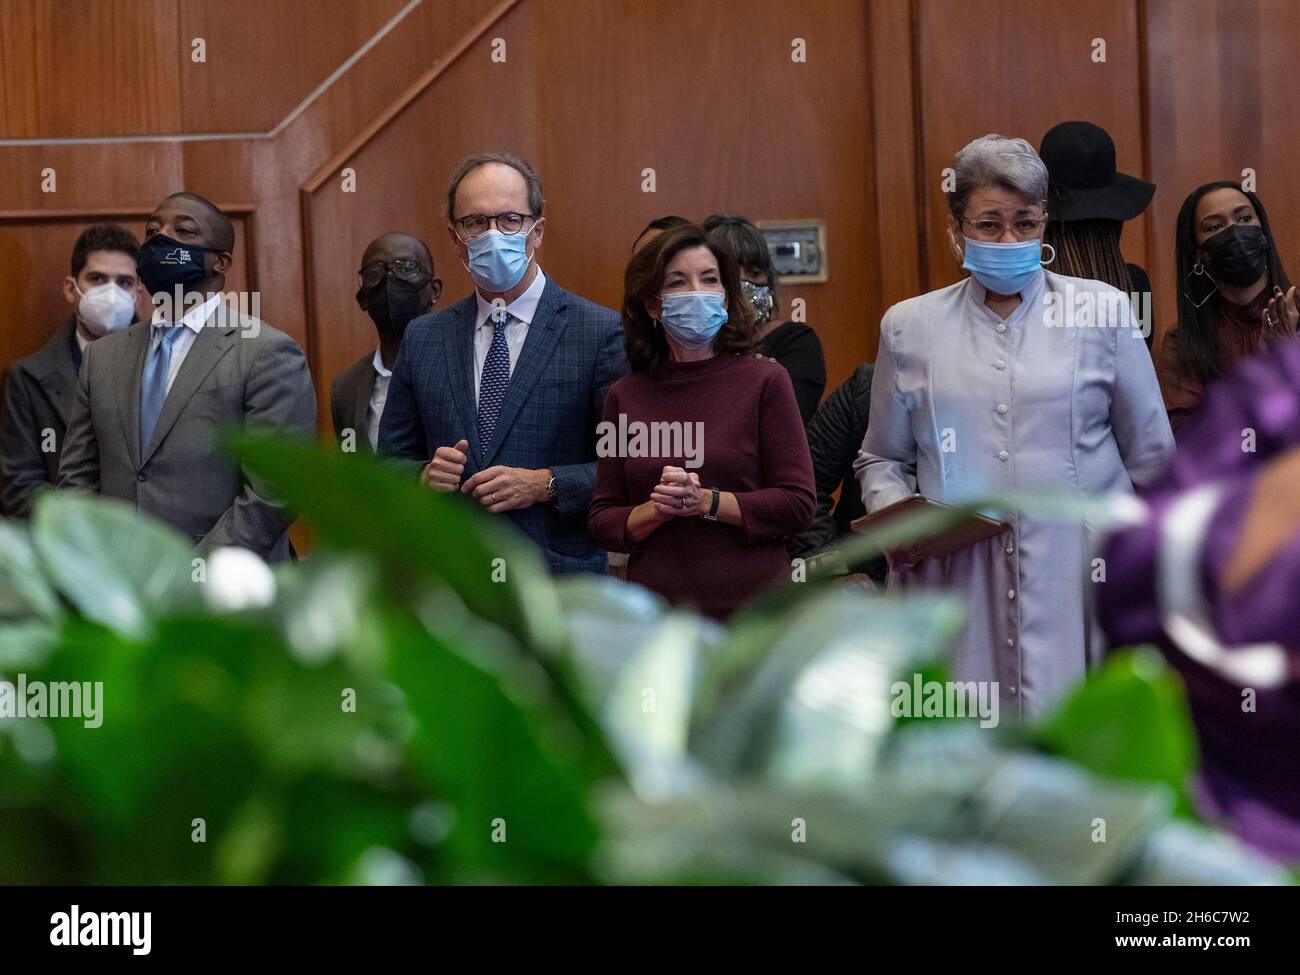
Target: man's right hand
444	472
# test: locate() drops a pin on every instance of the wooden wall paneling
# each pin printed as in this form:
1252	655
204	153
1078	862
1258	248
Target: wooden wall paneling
895	145
1018	67
1222	102
729	122
462	103
85	68
277	52
593	109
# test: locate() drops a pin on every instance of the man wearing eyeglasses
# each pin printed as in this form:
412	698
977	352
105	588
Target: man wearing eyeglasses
498	397
396	286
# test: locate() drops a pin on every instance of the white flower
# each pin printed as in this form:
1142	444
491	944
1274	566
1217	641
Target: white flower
237	579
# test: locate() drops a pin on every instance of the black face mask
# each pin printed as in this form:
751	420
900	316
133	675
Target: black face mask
165	263
392	304
1237	255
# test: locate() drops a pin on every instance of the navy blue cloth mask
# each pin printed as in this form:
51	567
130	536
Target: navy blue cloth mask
165	263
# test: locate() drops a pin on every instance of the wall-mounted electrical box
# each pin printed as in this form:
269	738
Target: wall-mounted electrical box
798	249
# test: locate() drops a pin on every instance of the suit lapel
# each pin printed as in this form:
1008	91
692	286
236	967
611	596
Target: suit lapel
57	389
543	336
364	386
210	344
460	366
57	372
130	367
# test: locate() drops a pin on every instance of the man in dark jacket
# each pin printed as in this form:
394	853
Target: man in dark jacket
102	291
835	435
397	285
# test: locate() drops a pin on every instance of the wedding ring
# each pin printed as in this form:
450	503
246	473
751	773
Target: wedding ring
494	497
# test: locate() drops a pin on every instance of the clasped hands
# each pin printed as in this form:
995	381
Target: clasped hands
679	495
497	488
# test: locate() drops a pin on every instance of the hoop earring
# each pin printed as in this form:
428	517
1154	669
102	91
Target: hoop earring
1198	270
1053	260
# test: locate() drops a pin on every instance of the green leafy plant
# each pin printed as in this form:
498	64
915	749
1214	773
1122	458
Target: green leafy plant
419	701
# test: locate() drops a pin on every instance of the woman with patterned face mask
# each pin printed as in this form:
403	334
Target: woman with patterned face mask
996	385
702	466
792	344
1233	295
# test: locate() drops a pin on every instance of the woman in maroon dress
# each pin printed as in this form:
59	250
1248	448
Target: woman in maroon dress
703	466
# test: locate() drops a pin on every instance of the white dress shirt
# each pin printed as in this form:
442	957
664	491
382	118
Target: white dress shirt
521	310
193	320
378	397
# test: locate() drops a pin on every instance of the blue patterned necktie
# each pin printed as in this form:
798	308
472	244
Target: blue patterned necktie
492	384
153	387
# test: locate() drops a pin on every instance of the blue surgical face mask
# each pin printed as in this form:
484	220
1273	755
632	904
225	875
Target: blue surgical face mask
1005	269
498	261
693	318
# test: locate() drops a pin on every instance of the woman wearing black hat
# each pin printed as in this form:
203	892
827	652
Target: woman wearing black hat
1233	295
1088	201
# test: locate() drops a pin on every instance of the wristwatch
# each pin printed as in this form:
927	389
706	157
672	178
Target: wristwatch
552	494
712	513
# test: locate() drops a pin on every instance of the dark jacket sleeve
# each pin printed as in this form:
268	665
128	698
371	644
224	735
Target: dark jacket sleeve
574	483
402	437
611	503
337	406
22	466
799	350
1142	287
834	437
79	460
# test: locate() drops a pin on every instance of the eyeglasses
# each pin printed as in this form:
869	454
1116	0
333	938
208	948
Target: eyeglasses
408	271
987	228
476	224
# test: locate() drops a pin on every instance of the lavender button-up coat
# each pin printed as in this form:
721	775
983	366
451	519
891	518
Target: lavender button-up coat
966	405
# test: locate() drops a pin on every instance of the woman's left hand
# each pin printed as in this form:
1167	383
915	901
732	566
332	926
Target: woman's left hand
1282	313
677	493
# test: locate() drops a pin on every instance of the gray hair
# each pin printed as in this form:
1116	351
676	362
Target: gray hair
470	163
993	160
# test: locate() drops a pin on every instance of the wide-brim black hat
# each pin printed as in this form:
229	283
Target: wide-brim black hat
1084	185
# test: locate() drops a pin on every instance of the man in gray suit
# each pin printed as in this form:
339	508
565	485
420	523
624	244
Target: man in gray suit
152	399
102	291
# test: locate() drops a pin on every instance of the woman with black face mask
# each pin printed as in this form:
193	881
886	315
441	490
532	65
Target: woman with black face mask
1233	295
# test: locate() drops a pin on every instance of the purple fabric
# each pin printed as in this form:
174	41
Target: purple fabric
1250	760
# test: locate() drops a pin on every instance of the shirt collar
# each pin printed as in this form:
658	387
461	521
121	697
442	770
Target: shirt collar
196	317
380	368
1031	296
523	308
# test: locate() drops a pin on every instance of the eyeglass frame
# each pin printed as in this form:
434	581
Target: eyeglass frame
388	266
459	224
1003	226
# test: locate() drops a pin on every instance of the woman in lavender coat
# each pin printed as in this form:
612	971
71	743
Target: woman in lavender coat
1014	379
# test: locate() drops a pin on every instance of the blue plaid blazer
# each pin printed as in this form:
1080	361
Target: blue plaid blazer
572	354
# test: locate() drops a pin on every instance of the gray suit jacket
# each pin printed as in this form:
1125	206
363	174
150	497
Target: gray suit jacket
350	400
38	397
238	371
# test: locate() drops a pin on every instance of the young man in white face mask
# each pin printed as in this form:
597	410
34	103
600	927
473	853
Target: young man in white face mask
102	290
